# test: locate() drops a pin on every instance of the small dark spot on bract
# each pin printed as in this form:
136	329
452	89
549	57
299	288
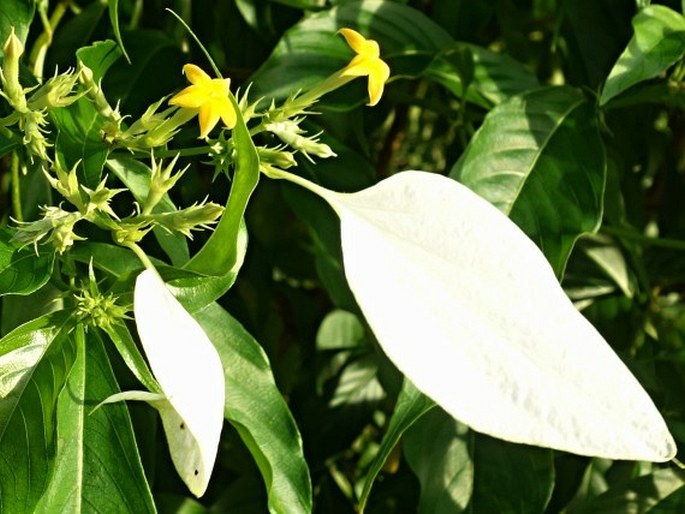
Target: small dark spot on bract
196	472
183	425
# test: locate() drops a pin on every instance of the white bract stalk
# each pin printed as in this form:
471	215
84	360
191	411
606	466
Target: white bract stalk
468	308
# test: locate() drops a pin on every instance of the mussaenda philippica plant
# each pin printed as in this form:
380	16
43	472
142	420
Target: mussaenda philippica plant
457	296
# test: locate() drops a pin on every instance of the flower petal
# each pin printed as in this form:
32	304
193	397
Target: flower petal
195	74
190	374
468	308
377	79
210	112
191	97
354	39
227	113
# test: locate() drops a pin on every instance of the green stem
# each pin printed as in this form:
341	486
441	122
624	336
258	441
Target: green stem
324	193
16	189
141	255
673	244
44	41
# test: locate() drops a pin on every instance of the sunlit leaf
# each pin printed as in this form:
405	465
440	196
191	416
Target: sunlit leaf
539	158
256	408
437	449
22	270
97	466
35	360
658	42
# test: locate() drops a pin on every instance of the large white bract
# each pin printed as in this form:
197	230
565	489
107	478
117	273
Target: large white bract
190	374
467	307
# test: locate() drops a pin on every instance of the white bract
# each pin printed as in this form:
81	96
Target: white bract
190	374
467	307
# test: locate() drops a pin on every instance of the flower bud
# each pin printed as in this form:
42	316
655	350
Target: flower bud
56	92
289	132
13	49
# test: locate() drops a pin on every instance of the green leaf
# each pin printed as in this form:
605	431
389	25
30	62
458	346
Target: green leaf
539	158
340	330
153	72
35	360
509	478
79	139
658	42
22	270
255	407
99	57
637	496
222	255
437	450
128	349
411	405
114	20
97	466
17	14
136	177
496	77
311	51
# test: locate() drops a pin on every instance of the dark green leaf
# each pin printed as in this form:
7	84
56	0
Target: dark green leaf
22	270
411	405
255	407
222	255
154	71
79	140
637	496
35	360
510	478
311	51
99	57
127	348
114	20
437	450
539	158
17	14
496	77
97	466
658	42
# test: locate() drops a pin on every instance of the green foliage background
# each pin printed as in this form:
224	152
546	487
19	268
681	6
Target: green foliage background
568	116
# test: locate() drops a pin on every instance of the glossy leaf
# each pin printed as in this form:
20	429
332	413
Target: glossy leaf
411	405
255	407
35	360
79	140
17	14
496	77
190	375
485	304
640	495
97	466
310	51
99	57
222	255
657	43
113	7
22	270
510	478
538	157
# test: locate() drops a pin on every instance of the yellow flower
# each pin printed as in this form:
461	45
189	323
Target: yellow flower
367	62
209	96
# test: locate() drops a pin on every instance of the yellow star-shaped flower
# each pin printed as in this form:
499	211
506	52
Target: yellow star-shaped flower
209	96
367	62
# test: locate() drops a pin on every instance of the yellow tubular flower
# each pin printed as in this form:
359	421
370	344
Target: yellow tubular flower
209	96
367	62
